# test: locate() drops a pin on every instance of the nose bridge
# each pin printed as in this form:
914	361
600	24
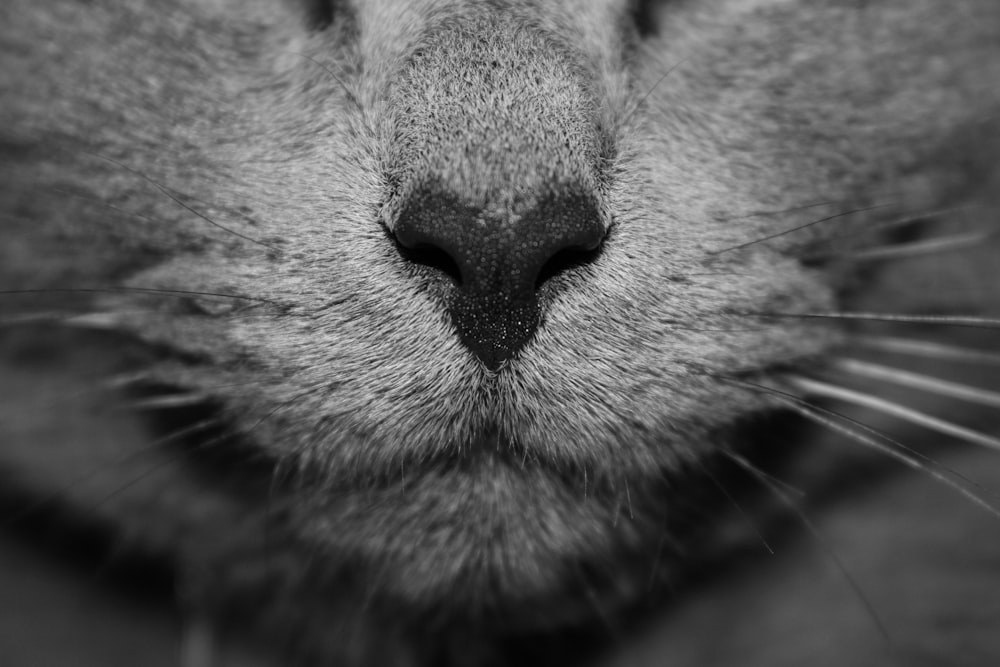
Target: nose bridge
390	31
494	110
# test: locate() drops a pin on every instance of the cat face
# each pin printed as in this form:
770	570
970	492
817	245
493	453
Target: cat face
476	286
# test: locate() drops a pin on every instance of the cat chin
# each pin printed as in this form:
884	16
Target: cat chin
506	541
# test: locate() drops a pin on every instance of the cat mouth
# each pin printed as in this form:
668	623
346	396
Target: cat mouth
486	525
490	533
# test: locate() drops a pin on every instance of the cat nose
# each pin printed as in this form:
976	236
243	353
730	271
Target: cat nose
497	259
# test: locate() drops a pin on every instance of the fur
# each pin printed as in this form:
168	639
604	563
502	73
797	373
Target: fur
201	196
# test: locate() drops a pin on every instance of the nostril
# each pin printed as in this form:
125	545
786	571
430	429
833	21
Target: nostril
426	254
565	261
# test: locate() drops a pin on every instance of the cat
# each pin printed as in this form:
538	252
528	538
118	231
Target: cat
439	332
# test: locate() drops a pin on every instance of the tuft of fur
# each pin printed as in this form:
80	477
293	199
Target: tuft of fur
216	358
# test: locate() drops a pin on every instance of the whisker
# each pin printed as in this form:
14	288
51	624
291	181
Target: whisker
138	290
116	321
639	104
132	456
791	209
792	230
54	317
775	486
718	274
202	447
104	204
827	390
347	91
919	381
125	380
739	508
914	249
943	320
863	434
928	349
181	399
903	221
177	200
222	207
166	402
46	401
718	329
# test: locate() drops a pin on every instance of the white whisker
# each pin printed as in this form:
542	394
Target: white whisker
919	381
125	380
827	390
24	319
929	349
862	434
83	321
944	320
918	218
166	402
917	248
120	289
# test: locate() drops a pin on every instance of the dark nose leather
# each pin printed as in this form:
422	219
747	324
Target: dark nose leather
497	258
